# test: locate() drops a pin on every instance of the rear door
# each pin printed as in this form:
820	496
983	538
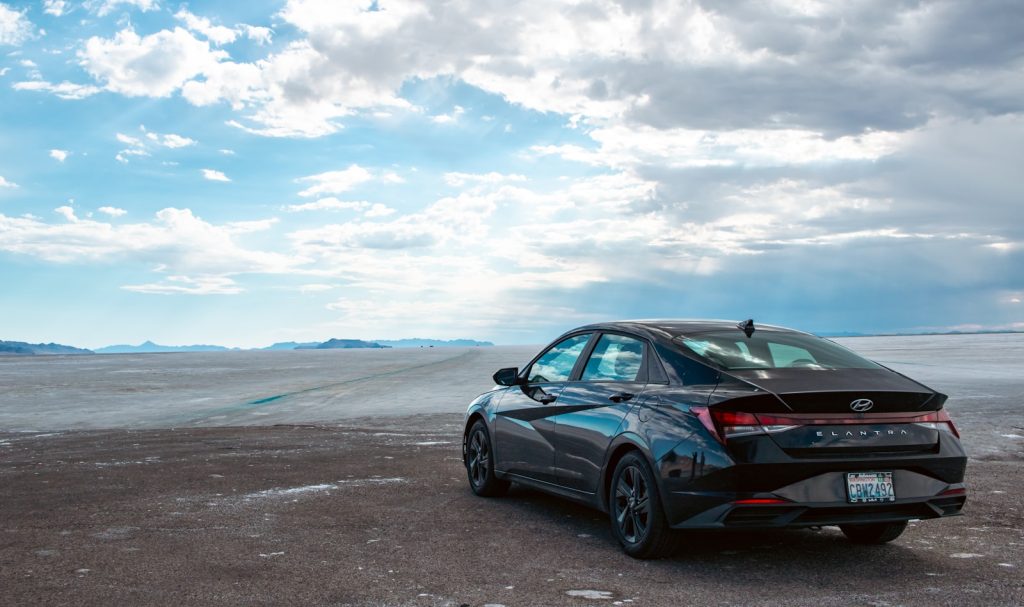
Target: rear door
610	382
524	432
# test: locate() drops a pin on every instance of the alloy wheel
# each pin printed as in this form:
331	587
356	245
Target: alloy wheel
632	505
479	458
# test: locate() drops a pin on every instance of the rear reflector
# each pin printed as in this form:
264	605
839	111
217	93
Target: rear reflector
759	502
959	491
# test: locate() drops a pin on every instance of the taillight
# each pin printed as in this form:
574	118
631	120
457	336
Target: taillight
938	420
724	425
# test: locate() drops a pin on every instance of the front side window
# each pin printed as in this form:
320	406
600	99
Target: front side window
615	358
556	364
771	350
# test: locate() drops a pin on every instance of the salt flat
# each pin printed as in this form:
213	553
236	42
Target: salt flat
242	388
983	375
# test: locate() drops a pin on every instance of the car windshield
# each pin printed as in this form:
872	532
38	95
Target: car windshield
734	351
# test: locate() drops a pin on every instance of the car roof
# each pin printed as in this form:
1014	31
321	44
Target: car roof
671	328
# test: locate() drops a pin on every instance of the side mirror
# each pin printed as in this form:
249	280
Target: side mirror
509	376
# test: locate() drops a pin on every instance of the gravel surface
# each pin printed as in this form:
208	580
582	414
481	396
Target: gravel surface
378	512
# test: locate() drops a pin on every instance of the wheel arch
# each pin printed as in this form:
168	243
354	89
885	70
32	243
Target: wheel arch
619	447
474	414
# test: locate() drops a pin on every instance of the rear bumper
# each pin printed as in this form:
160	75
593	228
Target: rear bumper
700	488
734	516
722	510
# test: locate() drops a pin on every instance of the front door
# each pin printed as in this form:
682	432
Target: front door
524	432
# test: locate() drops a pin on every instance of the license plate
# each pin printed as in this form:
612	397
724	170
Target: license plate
869	487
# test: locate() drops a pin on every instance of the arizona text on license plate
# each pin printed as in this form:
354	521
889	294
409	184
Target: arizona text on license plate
867	487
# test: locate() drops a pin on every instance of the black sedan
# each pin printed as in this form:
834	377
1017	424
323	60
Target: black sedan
670	425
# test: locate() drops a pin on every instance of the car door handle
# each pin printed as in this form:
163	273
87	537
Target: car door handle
547	399
620	397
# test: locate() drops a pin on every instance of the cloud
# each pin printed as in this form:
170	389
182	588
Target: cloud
379	210
171	140
15	28
67	213
460	179
149	141
217	34
7	184
64	90
214	175
59	155
335	182
329	204
154	66
176	239
54	7
105	7
185	285
113	211
456	112
259	35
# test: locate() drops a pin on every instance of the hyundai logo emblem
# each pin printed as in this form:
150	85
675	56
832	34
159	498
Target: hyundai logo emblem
861	405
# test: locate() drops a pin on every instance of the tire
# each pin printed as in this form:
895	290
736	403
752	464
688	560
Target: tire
634	507
873	533
479	460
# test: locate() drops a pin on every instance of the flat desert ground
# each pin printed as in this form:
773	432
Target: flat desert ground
334	478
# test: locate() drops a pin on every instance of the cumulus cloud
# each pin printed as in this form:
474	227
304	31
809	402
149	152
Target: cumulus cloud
217	34
15	28
258	34
59	155
112	211
214	175
7	184
155	66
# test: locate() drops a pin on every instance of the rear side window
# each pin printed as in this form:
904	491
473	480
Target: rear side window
556	364
615	358
771	350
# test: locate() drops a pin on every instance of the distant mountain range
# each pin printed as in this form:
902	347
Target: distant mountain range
292	345
20	348
342	344
378	343
149	347
431	343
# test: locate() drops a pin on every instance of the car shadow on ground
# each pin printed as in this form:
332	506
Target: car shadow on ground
745	554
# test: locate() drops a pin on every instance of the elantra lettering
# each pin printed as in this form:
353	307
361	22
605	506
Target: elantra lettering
864	433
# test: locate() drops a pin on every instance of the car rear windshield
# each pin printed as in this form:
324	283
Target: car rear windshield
732	350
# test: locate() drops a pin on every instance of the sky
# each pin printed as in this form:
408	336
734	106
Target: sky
241	173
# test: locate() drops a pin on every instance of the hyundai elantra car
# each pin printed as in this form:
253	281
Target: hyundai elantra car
673	425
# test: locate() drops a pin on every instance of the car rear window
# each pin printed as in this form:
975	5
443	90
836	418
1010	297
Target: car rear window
735	351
